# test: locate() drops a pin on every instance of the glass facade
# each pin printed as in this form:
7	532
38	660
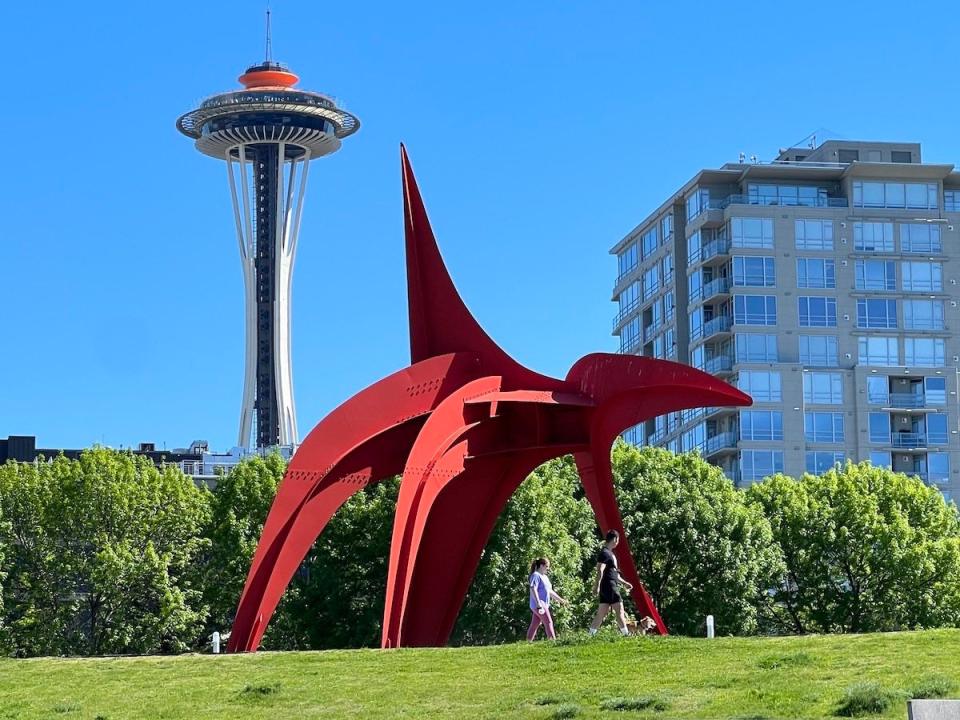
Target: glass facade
913	196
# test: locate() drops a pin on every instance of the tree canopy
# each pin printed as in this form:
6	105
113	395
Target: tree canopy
865	549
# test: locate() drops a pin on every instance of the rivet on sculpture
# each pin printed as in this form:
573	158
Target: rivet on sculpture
464	424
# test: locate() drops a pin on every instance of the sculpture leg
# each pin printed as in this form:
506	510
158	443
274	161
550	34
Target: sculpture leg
281	560
459	518
596	475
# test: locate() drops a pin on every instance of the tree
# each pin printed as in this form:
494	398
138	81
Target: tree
699	547
101	555
866	549
547	516
238	508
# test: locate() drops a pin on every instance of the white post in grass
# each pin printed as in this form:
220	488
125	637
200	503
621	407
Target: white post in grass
709	626
216	643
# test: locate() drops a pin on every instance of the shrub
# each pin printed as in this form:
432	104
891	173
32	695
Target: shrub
864	699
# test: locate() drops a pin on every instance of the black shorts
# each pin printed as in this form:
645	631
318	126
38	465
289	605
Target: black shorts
609	594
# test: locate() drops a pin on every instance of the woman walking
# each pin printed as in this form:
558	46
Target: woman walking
608	578
541	592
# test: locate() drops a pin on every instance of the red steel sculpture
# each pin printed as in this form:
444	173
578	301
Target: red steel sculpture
464	424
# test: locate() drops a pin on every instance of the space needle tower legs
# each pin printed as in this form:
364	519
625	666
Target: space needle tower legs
268	133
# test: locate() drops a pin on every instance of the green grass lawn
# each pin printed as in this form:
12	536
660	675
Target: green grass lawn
795	677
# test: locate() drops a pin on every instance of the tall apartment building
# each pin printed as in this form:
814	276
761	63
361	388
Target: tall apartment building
824	284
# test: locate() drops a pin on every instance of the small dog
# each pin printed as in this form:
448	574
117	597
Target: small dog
643	627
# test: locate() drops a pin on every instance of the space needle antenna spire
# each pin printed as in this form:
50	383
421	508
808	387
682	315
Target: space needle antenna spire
269	39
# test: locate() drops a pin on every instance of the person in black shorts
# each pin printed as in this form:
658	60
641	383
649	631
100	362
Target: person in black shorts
607	586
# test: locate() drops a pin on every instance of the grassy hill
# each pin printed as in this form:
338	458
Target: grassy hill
796	677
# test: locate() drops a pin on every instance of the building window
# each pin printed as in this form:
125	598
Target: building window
755	348
921	276
935	390
666	268
923	314
694	245
820	461
627	259
697	202
920	238
915	196
651	282
872	313
878	350
924	352
816	273
879	427
629	298
814	234
752	232
937	429
755	310
847	156
823	388
648	242
951	200
630	335
823	427
878	389
754	271
880	458
666	228
901	156
938	467
758	464
761	425
799	195
875	275
817	311
761	385
873	236
818	350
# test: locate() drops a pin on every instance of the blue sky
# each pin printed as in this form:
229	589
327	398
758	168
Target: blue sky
540	133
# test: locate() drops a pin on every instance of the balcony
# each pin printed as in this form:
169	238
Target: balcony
908	440
724	442
715	288
719	247
719	364
649	330
625	313
829	202
720	324
905	400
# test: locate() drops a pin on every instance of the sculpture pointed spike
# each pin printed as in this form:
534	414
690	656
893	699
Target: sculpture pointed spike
440	322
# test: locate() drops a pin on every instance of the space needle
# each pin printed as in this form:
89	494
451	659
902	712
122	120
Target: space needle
268	132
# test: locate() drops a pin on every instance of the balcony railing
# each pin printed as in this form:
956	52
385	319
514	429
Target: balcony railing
719	324
908	440
718	364
713	248
723	441
625	312
650	329
720	286
906	400
834	202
